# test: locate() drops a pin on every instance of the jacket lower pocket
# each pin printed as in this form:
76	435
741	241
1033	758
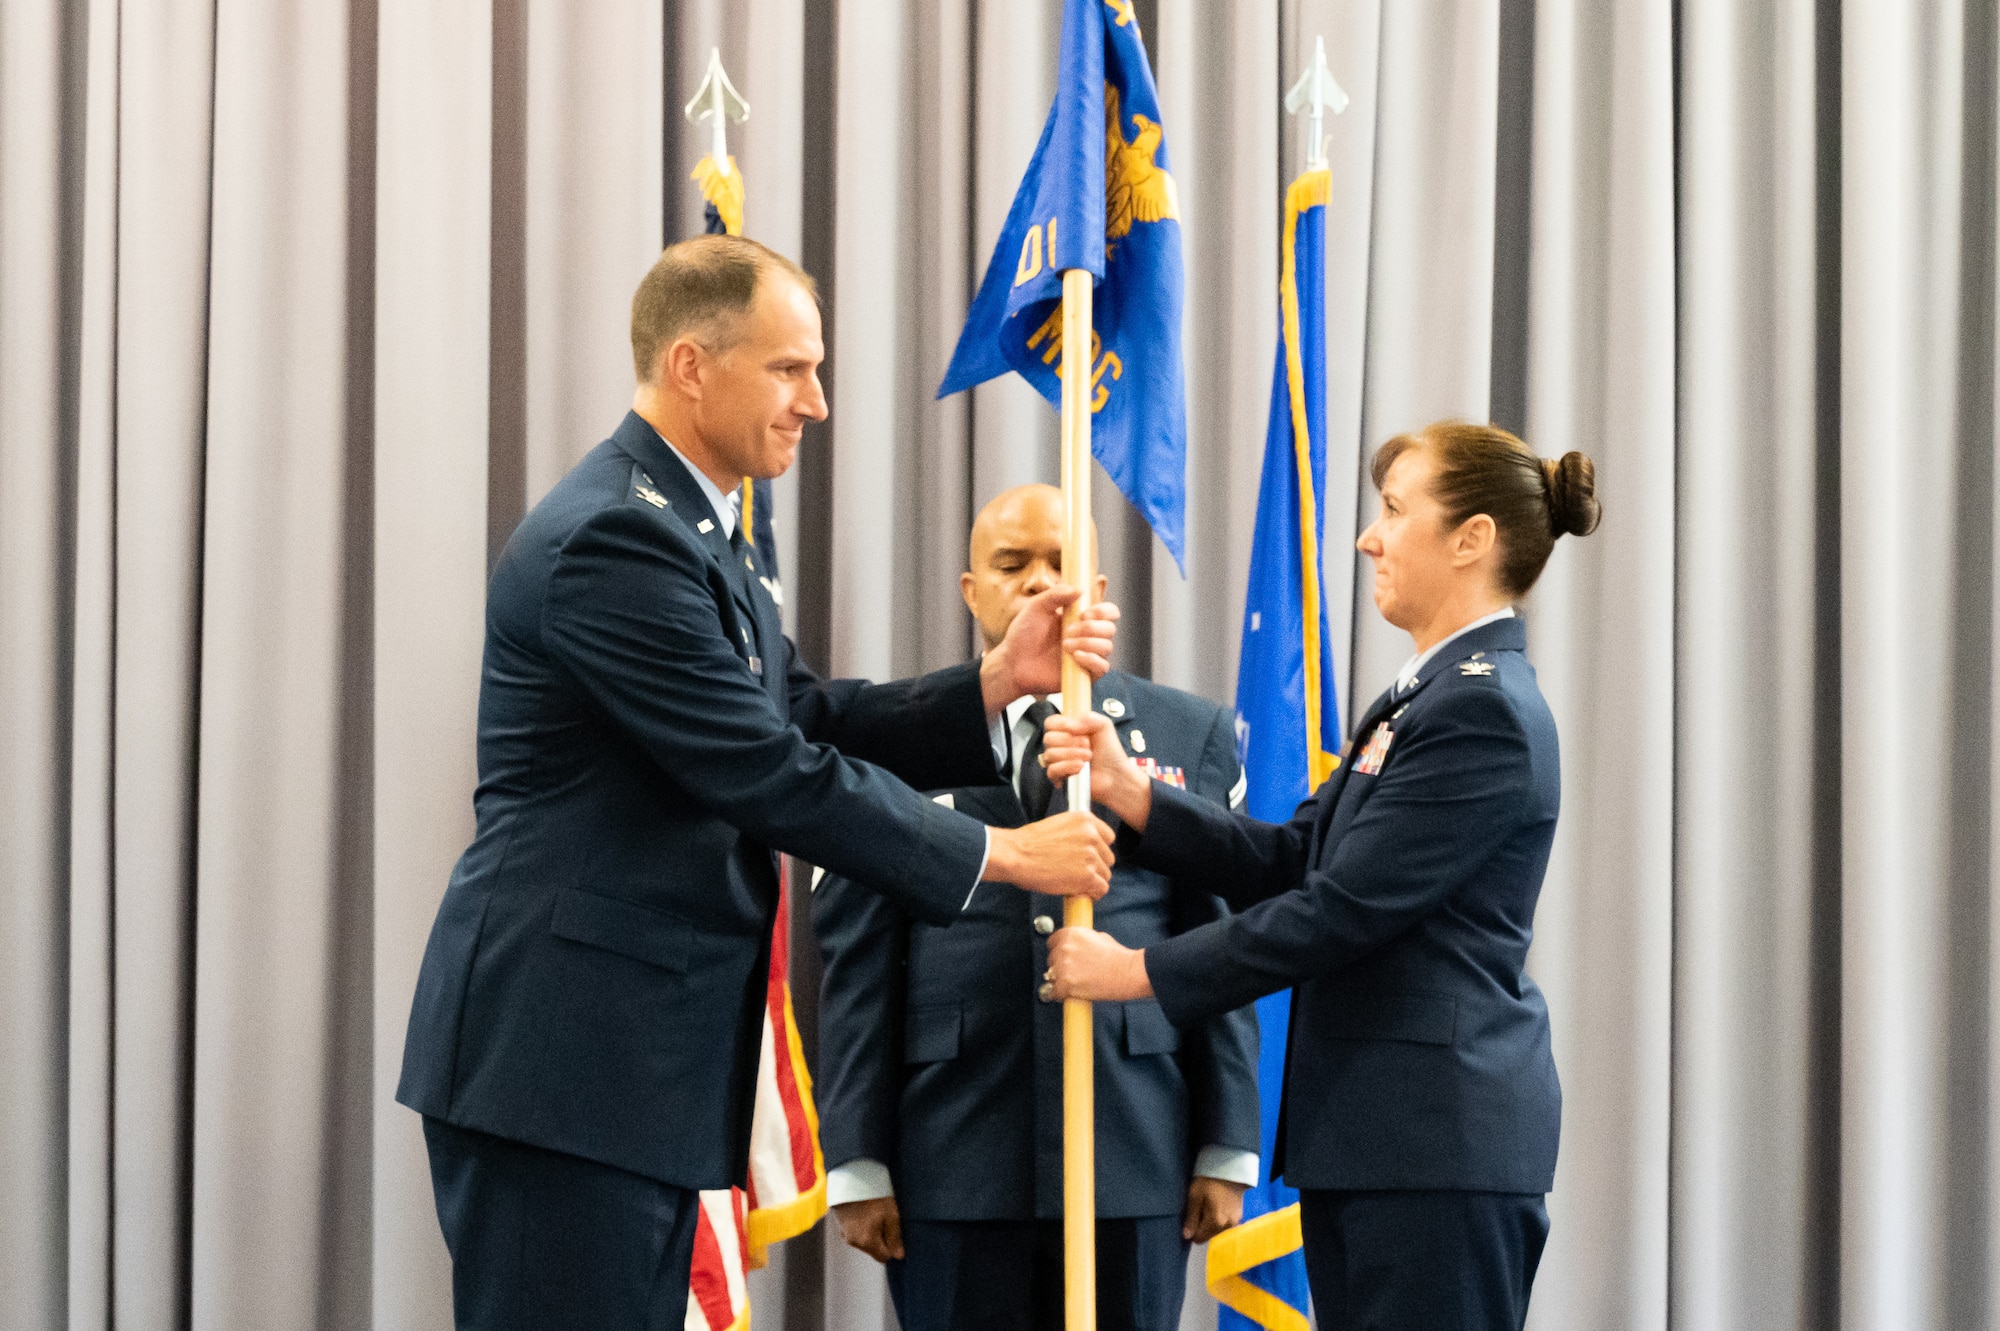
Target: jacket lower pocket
624	927
1415	1018
931	1034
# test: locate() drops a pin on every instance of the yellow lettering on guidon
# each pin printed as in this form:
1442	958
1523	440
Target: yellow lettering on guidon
1051	333
1047	338
1031	256
1108	361
1030	264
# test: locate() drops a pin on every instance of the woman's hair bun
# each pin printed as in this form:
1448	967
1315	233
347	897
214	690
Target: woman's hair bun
1572	487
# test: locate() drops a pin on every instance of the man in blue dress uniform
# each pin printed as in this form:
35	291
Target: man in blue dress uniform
584	1039
940	1088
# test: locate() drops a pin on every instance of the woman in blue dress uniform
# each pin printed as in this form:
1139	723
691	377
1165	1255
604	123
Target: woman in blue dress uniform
1421	1108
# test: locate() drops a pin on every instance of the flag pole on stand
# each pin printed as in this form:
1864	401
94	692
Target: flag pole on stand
786	1186
1284	677
718	102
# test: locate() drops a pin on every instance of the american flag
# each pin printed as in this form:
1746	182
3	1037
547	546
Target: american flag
787	1192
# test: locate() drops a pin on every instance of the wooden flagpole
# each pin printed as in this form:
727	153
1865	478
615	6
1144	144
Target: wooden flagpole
1079	1048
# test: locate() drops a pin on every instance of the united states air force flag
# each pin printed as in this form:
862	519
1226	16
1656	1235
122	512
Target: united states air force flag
1287	719
1098	195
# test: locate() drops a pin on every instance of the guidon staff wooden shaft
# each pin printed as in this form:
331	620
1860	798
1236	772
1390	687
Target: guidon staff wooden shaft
1079	1048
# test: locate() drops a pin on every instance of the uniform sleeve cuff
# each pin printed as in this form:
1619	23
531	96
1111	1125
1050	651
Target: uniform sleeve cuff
1217	1162
979	877
865	1180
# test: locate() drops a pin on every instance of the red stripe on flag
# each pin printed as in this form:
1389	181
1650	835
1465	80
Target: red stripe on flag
707	1281
777	996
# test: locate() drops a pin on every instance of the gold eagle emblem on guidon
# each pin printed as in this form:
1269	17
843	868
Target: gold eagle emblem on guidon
1136	189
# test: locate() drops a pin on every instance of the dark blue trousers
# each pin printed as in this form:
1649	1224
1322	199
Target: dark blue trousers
1443	1261
542	1240
1007	1275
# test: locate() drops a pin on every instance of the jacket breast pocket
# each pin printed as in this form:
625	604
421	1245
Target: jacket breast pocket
931	1033
1415	1018
623	927
1147	1030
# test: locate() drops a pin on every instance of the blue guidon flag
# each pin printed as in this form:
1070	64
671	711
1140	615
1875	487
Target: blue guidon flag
1287	721
1098	195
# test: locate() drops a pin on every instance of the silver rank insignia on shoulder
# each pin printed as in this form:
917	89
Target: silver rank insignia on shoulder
653	497
705	526
1138	740
1112	708
772	586
1475	668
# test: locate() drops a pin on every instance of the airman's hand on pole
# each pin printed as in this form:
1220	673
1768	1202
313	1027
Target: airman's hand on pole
1068	742
1029	659
1067	855
1084	963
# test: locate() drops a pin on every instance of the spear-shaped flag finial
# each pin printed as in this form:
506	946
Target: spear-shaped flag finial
1317	93
718	102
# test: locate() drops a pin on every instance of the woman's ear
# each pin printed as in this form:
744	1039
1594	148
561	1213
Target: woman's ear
1475	539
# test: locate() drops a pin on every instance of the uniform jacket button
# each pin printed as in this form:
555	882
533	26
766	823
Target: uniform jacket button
1047	993
1044	925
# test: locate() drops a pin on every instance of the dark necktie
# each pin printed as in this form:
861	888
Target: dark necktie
1036	789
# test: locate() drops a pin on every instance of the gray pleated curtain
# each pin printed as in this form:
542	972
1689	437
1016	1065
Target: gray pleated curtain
302	304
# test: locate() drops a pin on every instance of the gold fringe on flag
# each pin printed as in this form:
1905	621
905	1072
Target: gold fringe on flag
724	189
1253	1243
1311	190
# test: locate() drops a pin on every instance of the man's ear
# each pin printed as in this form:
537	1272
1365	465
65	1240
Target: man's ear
1097	591
681	367
966	582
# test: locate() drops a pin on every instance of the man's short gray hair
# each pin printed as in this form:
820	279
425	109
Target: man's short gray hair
702	286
